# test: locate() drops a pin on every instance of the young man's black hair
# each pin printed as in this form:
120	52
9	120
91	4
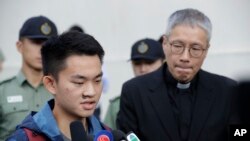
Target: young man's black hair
57	49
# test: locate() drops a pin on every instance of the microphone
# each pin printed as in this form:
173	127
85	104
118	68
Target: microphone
132	137
104	135
119	135
77	131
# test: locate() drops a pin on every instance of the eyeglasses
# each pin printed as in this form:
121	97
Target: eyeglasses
195	50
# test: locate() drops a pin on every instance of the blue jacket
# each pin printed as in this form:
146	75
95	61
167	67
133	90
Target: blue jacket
43	122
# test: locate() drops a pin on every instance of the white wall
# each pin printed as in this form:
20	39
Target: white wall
117	24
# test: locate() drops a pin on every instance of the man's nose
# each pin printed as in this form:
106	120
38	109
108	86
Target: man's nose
89	90
185	54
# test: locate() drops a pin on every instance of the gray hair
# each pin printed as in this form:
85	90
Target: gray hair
190	17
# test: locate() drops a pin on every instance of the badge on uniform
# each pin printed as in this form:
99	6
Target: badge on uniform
14	99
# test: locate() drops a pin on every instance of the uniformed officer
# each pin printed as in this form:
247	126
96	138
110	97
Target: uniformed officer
146	56
25	92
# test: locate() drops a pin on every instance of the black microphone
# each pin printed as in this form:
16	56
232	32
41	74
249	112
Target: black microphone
119	135
77	131
90	137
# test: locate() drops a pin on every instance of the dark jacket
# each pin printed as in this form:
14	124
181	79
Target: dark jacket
145	108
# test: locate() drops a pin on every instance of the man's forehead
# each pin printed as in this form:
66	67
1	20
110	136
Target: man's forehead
82	76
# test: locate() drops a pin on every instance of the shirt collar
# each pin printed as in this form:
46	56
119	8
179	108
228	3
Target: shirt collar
21	78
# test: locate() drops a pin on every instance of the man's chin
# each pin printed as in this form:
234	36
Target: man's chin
38	68
88	113
183	79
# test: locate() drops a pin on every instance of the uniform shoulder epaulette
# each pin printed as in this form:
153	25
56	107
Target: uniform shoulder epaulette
7	79
115	99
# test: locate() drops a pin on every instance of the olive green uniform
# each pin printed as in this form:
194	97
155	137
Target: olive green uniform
1	56
113	109
17	99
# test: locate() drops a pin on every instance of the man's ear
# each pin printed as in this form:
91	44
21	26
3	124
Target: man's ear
19	46
164	40
165	44
206	51
50	84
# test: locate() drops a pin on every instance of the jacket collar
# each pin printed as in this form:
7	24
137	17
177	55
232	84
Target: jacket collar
161	103
44	122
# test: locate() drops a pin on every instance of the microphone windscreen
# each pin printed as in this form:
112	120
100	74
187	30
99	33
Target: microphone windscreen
77	131
104	135
132	137
118	135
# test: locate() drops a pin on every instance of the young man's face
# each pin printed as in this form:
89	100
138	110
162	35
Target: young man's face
30	50
141	67
79	86
184	66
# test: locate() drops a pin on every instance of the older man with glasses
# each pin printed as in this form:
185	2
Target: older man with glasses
180	101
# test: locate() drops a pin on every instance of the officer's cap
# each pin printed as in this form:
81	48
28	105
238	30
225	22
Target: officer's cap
147	49
39	27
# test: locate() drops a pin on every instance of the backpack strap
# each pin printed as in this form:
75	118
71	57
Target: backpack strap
33	136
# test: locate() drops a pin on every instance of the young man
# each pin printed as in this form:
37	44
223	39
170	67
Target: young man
98	109
180	101
146	56
72	66
25	92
